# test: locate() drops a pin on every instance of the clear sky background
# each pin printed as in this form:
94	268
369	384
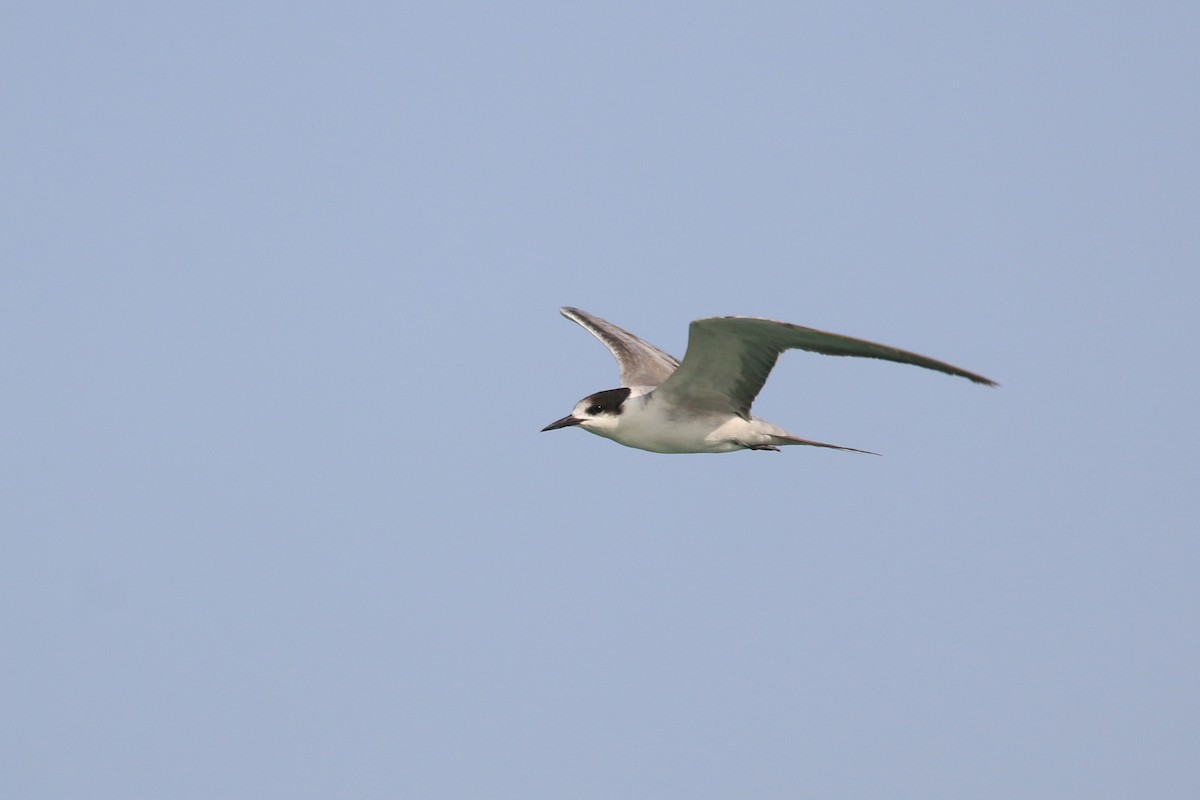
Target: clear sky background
278	309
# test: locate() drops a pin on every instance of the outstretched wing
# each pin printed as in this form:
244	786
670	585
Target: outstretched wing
728	360
641	364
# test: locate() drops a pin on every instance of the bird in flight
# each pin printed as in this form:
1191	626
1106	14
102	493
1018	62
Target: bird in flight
702	404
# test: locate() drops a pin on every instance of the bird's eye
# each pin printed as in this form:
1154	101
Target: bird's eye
595	410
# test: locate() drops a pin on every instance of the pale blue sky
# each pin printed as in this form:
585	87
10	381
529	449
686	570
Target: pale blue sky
279	329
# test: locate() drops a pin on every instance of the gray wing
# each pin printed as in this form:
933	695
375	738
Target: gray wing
641	364
728	360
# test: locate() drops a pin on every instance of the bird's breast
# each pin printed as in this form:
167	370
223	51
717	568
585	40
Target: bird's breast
661	428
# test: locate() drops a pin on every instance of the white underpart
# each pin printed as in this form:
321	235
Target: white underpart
660	428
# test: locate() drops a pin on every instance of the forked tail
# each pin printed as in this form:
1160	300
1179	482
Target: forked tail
788	439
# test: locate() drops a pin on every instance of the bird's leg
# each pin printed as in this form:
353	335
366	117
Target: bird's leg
770	447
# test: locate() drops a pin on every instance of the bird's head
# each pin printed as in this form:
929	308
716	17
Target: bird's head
599	413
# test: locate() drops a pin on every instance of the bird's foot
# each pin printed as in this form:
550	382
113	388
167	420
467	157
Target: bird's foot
770	447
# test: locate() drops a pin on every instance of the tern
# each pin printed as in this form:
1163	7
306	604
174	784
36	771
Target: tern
702	404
